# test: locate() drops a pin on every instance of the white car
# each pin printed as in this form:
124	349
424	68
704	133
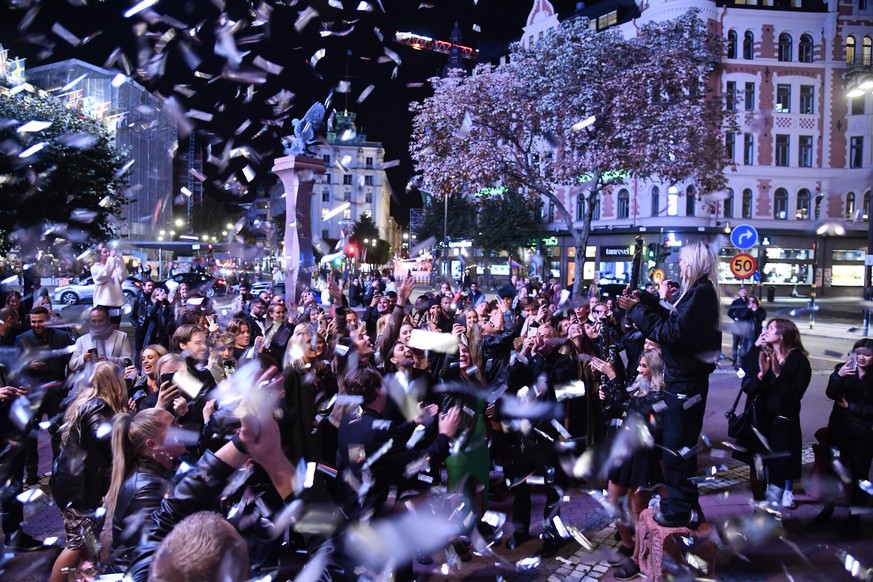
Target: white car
82	290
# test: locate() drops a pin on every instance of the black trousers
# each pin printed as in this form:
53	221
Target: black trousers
683	420
11	484
51	404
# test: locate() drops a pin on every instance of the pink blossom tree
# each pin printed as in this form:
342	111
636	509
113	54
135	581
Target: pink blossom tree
583	110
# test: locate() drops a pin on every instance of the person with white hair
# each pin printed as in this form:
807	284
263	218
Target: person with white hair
690	338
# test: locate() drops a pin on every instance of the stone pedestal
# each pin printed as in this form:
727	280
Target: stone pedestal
655	542
298	176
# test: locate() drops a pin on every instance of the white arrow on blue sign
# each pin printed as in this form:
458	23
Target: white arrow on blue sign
744	237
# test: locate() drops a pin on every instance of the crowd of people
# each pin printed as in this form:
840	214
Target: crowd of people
237	430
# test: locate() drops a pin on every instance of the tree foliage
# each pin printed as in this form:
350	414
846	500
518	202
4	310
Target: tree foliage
653	114
461	222
507	221
366	229
67	194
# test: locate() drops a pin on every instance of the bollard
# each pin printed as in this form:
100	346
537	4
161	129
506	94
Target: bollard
812	309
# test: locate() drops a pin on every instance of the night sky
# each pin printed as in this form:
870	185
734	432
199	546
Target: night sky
182	37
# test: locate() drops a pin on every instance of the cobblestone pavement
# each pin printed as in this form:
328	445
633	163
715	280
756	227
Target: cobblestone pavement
801	551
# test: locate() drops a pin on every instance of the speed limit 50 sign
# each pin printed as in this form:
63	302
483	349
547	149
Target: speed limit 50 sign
743	266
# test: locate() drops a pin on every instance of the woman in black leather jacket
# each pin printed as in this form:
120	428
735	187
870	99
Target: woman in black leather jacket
80	477
143	458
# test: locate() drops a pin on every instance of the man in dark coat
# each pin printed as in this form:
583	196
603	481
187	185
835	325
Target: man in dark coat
138	316
43	348
740	329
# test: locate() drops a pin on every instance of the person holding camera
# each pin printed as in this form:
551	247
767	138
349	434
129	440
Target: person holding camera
102	343
850	427
689	332
109	272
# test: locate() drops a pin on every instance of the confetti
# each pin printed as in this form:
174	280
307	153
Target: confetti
304	18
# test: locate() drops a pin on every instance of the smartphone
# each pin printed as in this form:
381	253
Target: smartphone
167	377
531	331
128	362
229	366
852	363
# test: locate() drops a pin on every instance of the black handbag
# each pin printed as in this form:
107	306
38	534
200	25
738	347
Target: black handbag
740	425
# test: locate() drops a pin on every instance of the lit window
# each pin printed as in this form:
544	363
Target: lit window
850	206
850	50
780	204
749	149
672	201
783	98
804	199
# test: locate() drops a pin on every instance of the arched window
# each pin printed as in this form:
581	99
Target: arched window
732	44
690	201
729	204
785	45
805	49
804	199
780	204
581	207
656	201
623	210
747	203
866	209
850	206
748	45
867	51
850	50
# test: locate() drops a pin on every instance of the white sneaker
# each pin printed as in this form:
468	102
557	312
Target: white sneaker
788	500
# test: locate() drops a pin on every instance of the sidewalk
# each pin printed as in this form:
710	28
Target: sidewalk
767	547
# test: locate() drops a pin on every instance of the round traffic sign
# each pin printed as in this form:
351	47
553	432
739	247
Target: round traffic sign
658	276
743	266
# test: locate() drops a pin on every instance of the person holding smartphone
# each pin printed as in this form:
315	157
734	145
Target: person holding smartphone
850	427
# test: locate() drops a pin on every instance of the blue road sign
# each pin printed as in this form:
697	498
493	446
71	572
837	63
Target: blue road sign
756	277
744	237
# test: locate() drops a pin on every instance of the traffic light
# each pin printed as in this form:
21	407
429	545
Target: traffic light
209	246
651	251
351	250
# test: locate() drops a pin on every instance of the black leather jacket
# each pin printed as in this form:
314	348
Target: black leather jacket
199	490
81	474
690	336
140	495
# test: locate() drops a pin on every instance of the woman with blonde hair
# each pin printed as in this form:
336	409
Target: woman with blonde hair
81	475
143	458
690	337
635	474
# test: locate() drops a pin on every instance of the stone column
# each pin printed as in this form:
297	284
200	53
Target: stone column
298	175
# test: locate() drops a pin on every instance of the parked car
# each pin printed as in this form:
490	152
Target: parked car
81	289
208	285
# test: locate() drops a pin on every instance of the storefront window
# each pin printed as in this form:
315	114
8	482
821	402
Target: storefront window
848	255
847	275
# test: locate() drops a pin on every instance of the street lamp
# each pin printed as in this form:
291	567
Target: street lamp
180	222
859	83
